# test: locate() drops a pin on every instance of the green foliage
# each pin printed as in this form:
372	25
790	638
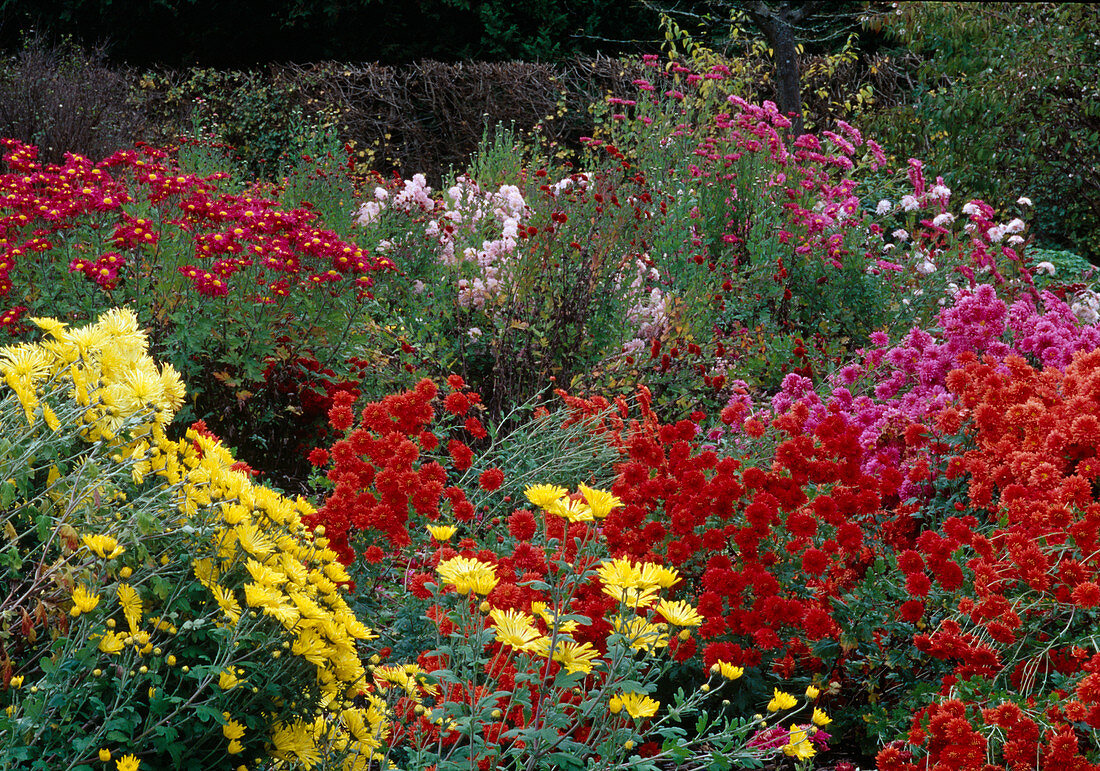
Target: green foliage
267	123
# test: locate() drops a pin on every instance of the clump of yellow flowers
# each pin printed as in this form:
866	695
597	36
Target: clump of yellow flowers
189	599
558	674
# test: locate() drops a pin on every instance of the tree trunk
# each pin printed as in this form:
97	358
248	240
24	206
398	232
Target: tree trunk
776	24
788	76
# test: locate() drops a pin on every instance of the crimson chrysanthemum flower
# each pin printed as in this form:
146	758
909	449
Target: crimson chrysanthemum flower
461	455
374	554
918	584
910	561
491	479
521	524
911	611
1086	595
341	417
814	561
754	428
428	440
456	403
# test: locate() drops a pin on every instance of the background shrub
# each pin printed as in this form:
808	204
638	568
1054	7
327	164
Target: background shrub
1011	87
68	99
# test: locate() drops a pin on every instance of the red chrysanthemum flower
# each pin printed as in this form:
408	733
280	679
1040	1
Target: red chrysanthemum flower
456	403
521	524
473	425
1086	595
461	455
374	554
491	479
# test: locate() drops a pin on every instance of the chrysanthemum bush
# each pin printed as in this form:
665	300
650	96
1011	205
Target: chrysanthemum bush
540	649
160	609
859	467
696	240
258	305
1013	572
850	539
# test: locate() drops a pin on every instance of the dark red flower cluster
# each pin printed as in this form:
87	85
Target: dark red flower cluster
383	471
765	550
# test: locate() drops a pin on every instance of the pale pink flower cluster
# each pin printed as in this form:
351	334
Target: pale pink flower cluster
470	214
415	195
467	226
649	309
369	211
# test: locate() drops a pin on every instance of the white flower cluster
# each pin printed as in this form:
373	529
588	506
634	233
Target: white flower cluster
1086	306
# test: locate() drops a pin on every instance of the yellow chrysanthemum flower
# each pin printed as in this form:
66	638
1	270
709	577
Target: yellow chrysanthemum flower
232	730
264	575
228	602
640	634
253	541
52	421
336	573
205	571
228	680
638	705
679	613
544	496
542	610
623	580
727	670
820	719
172	388
571	510
798	744
127	763
142	390
515	628
468	575
25	362
575	657
442	532
111	643
600	502
311	647
660	576
120	323
297	741
284	614
103	545
83	600
130	602
780	701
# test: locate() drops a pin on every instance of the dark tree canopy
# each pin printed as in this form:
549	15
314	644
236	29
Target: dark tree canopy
244	33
